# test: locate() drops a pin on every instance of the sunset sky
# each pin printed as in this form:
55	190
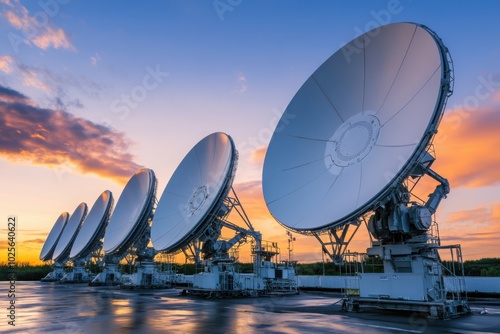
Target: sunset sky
91	91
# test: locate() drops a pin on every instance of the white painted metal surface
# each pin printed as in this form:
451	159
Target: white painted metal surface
130	214
354	128
70	232
472	283
194	193
53	237
94	226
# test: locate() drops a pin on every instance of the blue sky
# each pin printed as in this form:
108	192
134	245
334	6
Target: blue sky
161	75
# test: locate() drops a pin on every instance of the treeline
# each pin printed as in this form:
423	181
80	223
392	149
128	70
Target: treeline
487	267
24	272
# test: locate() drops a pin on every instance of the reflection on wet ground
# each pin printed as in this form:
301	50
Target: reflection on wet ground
53	307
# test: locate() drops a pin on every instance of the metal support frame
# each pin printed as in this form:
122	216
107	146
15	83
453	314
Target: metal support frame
138	248
219	277
338	240
194	250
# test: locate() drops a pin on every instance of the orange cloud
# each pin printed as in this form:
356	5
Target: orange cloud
259	154
6	64
55	38
54	137
467	146
476	230
474	216
32	79
252	200
40	33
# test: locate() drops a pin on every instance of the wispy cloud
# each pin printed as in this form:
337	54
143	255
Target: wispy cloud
250	195
258	155
54	85
38	32
473	216
467	144
476	230
32	78
242	83
7	64
95	59
53	137
38	241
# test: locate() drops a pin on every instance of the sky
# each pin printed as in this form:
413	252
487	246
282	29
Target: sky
92	91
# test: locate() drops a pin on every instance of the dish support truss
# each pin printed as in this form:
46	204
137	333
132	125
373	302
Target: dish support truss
135	253
81	271
219	277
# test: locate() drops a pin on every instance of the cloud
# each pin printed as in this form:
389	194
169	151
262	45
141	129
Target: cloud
32	78
474	216
53	137
36	29
467	144
258	155
50	82
7	64
39	241
252	200
242	83
95	59
496	96
476	230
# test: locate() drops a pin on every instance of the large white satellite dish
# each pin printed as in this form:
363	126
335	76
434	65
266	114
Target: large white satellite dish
354	142
53	237
356	128
70	232
94	226
193	197
131	214
193	210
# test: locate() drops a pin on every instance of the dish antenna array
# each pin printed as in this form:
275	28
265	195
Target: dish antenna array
60	240
357	144
359	141
193	210
127	233
87	247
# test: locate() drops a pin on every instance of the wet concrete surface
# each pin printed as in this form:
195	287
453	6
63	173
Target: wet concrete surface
78	308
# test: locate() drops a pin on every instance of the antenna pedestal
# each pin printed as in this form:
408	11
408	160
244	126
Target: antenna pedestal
111	275
56	274
79	274
413	279
408	249
220	277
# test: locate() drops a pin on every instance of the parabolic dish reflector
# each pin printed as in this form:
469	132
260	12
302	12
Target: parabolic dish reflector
194	194
70	232
132	211
355	127
53	237
94	225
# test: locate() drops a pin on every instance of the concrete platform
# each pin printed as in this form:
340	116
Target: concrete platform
79	308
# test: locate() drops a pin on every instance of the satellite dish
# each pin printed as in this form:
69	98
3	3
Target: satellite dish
53	237
70	232
356	128
94	226
130	217
194	195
